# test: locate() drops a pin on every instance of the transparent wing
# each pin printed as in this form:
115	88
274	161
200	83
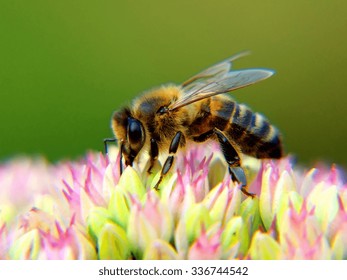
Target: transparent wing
215	72
228	82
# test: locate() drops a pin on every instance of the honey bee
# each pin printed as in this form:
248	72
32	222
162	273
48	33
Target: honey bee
170	117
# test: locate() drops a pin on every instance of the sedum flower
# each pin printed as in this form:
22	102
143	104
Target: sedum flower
148	222
86	210
205	247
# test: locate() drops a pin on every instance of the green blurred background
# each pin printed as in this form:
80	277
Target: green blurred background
65	66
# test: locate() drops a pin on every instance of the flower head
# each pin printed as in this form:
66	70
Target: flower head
87	210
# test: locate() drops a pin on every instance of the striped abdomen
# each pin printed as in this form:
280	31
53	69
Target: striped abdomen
254	135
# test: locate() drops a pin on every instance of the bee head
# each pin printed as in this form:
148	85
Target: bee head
131	134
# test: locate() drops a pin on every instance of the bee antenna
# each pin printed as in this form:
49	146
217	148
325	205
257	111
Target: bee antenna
107	141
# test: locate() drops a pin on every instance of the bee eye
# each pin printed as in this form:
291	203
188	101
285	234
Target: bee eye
136	135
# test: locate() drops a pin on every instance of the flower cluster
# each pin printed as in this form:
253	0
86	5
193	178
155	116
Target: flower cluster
86	210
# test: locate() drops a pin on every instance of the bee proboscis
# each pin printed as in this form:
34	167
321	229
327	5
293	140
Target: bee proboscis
169	117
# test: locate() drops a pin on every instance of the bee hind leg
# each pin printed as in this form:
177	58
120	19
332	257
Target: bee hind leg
233	159
170	159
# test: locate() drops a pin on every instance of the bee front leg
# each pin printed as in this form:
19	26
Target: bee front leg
169	161
233	159
153	154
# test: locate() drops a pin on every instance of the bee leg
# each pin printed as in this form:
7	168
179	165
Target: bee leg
153	154
203	137
169	161
233	159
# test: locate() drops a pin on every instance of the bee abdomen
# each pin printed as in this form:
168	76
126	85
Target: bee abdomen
254	134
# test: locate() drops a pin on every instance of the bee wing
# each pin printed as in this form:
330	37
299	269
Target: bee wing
230	81
217	71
